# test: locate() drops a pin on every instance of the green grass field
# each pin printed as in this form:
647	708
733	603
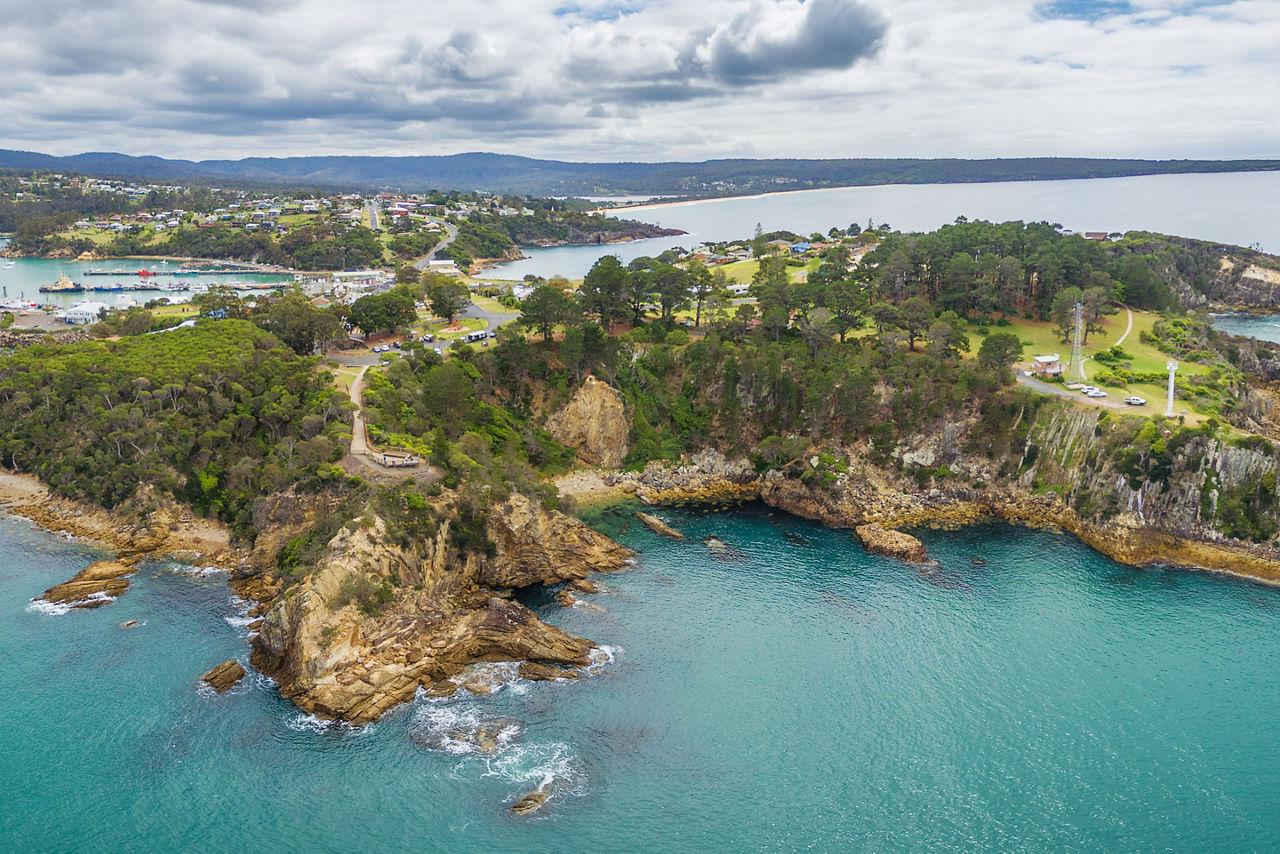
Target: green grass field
1045	339
742	271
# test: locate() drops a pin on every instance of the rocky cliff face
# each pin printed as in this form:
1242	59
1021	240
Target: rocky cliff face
1135	493
1202	274
379	620
594	423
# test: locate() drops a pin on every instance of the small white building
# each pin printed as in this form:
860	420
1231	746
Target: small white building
85	313
1047	366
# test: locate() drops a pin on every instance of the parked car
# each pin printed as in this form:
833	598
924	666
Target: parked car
427	338
1095	392
1134	400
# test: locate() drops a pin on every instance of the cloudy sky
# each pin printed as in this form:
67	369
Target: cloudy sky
642	79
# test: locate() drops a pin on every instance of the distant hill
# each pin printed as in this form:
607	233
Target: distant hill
509	173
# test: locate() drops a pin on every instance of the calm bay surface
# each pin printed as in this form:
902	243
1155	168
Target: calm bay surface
22	278
1241	208
794	693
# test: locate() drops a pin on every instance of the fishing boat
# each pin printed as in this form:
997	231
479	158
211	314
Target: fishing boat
63	286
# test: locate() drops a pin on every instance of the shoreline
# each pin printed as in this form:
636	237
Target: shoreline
166	532
709	199
1141	547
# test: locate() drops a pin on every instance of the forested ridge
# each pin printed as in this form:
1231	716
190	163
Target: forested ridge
508	173
216	416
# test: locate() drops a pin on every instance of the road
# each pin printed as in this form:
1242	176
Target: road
492	319
451	232
1059	391
372	208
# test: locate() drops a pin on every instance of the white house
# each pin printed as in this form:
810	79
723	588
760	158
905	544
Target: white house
85	312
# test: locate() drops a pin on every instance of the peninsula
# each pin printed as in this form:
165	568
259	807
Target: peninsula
872	381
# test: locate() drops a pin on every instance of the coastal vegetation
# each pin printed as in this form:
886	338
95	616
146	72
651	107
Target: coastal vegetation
866	380
215	417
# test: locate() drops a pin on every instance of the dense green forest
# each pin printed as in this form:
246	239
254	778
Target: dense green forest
217	416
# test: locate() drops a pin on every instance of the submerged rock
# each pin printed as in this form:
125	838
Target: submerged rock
129	624
890	543
94	586
539	672
224	676
487	735
653	523
532	802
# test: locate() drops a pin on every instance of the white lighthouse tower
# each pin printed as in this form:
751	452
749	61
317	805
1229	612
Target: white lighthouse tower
1172	368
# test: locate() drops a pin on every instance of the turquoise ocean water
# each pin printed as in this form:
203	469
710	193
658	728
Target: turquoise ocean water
794	694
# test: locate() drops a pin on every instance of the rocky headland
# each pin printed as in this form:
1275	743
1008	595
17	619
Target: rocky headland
377	620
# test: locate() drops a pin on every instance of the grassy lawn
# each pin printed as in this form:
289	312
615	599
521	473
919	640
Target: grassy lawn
99	238
1045	339
469	324
742	271
344	377
491	304
180	310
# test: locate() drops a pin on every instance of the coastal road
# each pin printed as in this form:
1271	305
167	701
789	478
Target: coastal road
451	232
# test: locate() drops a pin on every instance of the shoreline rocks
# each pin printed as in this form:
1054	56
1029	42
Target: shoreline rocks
448	609
225	676
653	523
96	585
880	540
532	802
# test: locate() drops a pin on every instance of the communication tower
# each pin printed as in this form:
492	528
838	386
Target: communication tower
1077	340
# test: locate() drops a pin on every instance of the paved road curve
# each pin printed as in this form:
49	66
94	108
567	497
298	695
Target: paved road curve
451	231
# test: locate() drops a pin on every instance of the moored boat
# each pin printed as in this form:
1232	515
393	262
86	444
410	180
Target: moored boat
63	286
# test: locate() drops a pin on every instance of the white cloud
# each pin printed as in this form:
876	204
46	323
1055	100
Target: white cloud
640	80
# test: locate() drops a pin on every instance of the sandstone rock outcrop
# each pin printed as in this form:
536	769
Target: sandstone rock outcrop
92	587
594	423
536	672
339	657
880	540
224	676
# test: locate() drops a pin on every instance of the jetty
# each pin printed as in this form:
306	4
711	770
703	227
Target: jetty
217	271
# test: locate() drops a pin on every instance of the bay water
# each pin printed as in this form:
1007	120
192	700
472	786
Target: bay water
1240	208
787	692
